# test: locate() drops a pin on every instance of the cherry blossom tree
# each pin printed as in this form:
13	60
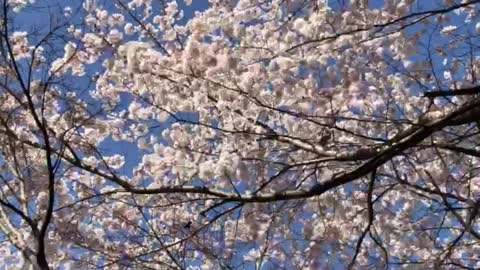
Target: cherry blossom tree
240	134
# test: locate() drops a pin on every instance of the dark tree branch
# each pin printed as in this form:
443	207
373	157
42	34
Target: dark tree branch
370	219
461	92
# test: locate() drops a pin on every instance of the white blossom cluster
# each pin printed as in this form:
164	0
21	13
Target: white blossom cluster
290	134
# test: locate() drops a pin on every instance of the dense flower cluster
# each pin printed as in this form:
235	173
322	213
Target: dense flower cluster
290	134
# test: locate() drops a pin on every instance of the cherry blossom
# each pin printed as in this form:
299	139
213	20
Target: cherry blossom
238	135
